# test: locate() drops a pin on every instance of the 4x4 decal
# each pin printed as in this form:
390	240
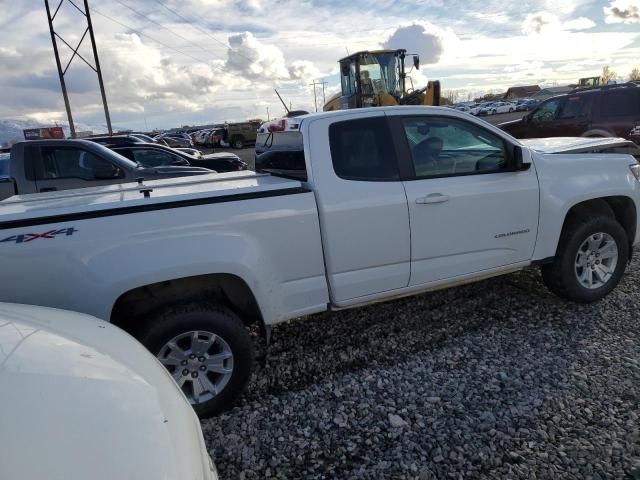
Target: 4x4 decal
29	237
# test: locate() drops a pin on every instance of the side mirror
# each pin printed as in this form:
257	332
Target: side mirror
416	62
517	160
106	172
344	69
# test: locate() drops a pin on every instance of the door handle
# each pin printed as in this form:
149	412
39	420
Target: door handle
433	198
48	189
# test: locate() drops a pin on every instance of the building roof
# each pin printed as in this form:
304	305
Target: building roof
522	91
553	91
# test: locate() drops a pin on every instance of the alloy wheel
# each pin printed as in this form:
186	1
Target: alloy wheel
596	260
200	362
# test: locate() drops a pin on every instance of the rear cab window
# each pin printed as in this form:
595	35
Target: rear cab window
362	149
281	154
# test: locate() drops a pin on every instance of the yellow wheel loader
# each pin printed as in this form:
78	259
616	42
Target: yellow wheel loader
378	78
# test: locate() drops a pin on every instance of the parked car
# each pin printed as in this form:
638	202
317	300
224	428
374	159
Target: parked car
143	137
634	135
611	111
177	140
279	149
194	152
497	107
526	105
115	139
464	108
4	164
215	137
476	110
220	162
81	399
48	165
202	137
194	264
158	155
239	135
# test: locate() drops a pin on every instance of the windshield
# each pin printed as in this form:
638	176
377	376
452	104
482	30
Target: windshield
388	73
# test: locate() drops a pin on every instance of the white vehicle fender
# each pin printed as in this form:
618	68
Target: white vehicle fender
569	179
182	262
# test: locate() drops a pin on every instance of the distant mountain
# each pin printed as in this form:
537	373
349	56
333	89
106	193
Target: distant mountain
11	130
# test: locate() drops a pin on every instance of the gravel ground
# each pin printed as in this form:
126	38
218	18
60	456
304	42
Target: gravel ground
498	379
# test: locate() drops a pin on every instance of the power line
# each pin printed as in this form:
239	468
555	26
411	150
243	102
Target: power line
161	26
154	39
201	30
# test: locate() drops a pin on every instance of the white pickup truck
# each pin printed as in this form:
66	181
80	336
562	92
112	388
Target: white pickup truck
381	203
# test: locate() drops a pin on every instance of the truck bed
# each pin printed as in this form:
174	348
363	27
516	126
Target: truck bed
83	249
37	208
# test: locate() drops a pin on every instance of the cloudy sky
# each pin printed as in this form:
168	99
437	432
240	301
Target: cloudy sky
176	62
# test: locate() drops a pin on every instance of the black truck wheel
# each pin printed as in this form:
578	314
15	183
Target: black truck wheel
238	142
590	261
207	350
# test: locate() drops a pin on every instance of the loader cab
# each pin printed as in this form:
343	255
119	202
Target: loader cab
374	78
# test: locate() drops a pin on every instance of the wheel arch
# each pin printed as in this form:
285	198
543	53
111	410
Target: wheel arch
598	133
620	207
134	306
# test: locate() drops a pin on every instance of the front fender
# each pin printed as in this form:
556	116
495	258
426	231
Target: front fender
569	179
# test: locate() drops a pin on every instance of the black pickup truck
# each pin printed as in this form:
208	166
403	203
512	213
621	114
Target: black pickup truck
48	165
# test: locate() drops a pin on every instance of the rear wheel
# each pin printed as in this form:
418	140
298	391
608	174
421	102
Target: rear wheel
493	112
238	143
590	261
207	350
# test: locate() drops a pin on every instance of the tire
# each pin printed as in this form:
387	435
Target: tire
562	276
493	112
224	332
510	110
238	143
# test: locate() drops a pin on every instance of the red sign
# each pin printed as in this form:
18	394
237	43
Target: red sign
43	133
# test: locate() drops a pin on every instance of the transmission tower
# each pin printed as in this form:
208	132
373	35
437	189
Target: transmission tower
315	84
96	62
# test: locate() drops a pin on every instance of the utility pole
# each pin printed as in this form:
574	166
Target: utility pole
62	72
315	99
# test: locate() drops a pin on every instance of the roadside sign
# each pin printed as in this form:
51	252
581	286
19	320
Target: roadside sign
43	133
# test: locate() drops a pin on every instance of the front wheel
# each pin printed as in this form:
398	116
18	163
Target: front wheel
590	261
208	352
238	143
510	110
493	112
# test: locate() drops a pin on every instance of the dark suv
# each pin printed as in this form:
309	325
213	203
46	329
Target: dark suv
612	111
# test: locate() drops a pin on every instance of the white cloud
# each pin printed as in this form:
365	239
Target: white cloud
622	11
254	59
580	23
540	22
304	70
546	22
420	39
